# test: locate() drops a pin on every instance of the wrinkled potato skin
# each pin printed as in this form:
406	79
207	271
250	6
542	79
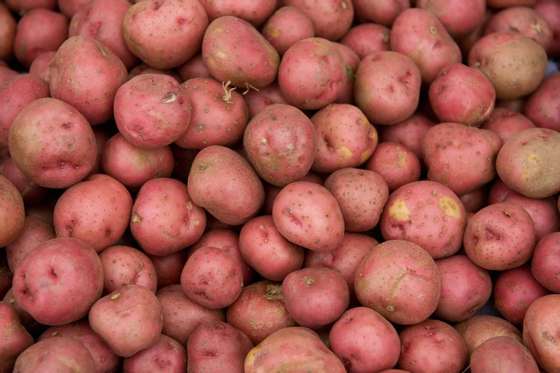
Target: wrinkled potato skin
254	11
502	354
12	212
287	26
481	328
540	328
331	18
542	106
13	335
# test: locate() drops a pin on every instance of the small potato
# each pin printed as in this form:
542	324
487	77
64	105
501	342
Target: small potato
168	268
460	157
428	214
91	88
459	17
258	100
419	34
400	280
502	354
545	265
296	348
39	30
59	354
280	143
125	265
482	328
287	26
164	219
8	28
254	11
30	192
361	195
312	74
409	133
95	211
166	354
193	68
266	251
315	297
542	106
505	123
219	114
541	330
35	231
365	341
395	163
432	347
529	163
259	311
380	11
14	337
465	288
70	7
224	184
514	63
12	212
234	51
345	138
550	11
308	215
331	18
367	38
129	320
133	166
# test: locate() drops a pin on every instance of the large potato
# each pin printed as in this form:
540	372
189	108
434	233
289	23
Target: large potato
12	212
459	17
541	329
502	354
481	328
331	18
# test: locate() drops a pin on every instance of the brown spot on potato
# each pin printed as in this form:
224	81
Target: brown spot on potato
115	296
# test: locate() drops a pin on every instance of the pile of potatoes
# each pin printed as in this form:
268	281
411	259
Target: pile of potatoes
279	186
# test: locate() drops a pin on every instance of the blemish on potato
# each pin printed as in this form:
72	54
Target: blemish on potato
169	98
115	296
449	207
344	152
136	218
399	210
308	281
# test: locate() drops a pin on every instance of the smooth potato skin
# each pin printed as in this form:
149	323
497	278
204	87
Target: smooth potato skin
409	133
8	28
254	11
396	164
13	337
287	26
70	7
331	18
193	68
30	192
125	265
24	5
296	349
367	38
505	123
540	331
380	11
258	100
225	185
550	11
541	107
12	212
35	231
481	328
167	354
489	357
510	3
234	51
168	268
459	17
545	264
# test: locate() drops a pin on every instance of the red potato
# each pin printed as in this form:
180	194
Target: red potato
419	34
181	316
432	347
13	337
409	133
145	69
6	73
30	192
315	297
395	163
350	61
287	26
540	331
71	7
168	268
160	43
35	231
224	184
102	20
266	251
367	38
312	74
58	281
542	105
40	65
308	215
90	89
25	318
193	68
133	166
167	354
219	114
104	359
233	50
280	143
505	123
258	100
254	11
502	354
217	346
129	320
458	16
380	11
331	18
428	214
400	280
365	341
96	211
259	311
513	63
297	349
510	3
475	200
8	29
481	328
550	11
545	266
59	354
12	212
22	6
164	218
465	288
125	265
39	30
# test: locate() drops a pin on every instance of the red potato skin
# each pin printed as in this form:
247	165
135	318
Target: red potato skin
287	26
95	211
365	341
395	163
168	268
367	38
509	3
380	11
25	318
550	11
505	123
8	29
465	288
12	212
420	35
35	231
22	6
489	357
219	114
459	17
475	200
481	328
125	265
167	354
30	192
254	11
351	61
409	133
545	265
540	328
71	7
542	106
258	100
265	250
90	89
193	68
40	65
13	337
446	346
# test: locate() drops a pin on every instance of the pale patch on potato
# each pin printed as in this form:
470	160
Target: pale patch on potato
251	356
399	210
449	207
344	152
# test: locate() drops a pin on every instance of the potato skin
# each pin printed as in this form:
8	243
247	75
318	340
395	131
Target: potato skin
396	164
22	6
428	214
287	26
514	63
387	87
481	328
380	11
409	133
35	231
193	68
510	3
489	357
505	123
12	212
70	7
541	107
367	38
8	29
166	354
168	268
529	162
234	51
420	35
258	100
540	328
125	265
550	11
254	11
297	349
545	264
365	341
232	202
406	267
30	192
14	337
280	143
331	18
308	215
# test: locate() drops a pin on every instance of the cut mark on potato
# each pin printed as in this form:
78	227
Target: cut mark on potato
399	210
449	207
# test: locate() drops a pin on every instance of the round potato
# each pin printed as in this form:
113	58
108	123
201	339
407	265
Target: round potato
331	18
540	331
396	164
502	354
166	354
380	11
545	265
409	133
12	212
35	231
125	265
287	26
481	328
505	123
550	11
367	38
254	11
